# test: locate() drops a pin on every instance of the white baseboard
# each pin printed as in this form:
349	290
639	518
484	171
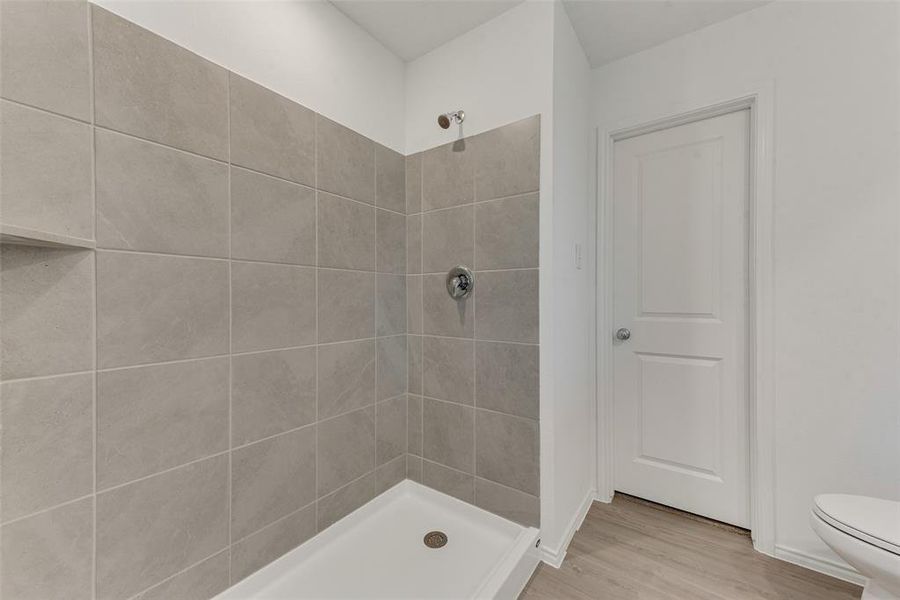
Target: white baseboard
555	556
833	568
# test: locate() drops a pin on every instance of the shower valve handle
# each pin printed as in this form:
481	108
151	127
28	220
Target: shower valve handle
460	282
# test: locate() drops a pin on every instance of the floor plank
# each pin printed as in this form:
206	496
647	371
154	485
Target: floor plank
634	550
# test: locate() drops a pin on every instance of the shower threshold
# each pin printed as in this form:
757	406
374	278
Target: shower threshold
378	552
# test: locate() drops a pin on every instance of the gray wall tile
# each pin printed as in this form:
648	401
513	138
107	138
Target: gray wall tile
272	306
153	528
390	184
506	233
448	434
414	370
344	501
154	198
345	161
271	133
346	305
346	231
414	304
271	219
272	392
203	580
500	238
47	456
414	244
508	378
45	55
414	424
391	429
392	364
448	369
346	377
49	555
449	481
390	474
514	505
271	479
259	549
154	418
152	88
390	305
508	159
157	308
45	171
507	450
441	314
346	449
46	311
506	306
414	468
448	239
448	175
391	242
414	183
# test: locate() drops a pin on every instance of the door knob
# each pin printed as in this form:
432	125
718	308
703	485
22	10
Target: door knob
623	334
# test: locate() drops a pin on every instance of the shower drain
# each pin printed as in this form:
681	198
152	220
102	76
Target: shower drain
435	539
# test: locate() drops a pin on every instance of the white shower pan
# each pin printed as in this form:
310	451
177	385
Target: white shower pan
378	552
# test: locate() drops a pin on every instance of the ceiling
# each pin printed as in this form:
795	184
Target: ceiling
611	29
608	29
411	28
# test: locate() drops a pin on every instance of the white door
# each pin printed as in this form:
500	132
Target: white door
681	416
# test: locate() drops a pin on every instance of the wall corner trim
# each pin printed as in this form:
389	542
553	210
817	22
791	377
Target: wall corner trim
839	570
555	556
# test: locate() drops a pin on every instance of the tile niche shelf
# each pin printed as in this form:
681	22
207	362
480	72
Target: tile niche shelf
21	236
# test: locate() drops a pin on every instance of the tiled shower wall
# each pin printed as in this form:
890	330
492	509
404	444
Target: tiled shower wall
473	374
226	374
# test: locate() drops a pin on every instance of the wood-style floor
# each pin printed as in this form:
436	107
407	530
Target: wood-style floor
631	549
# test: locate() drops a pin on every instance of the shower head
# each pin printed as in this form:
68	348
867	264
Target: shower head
457	116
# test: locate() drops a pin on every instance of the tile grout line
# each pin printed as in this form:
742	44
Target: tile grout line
273	523
182	572
89	121
201	459
53	507
224	162
420	261
375	314
406	316
475	340
515	196
318	335
504	270
474	360
230	487
225	355
487	410
474	476
165	471
96	345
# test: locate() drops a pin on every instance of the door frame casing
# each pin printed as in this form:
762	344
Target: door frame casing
759	100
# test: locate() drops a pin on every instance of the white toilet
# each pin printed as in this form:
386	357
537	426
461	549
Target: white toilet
865	532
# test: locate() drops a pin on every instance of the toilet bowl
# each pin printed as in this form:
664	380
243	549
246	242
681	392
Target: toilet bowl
865	532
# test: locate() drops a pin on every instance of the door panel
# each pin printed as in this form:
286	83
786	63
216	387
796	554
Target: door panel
681	202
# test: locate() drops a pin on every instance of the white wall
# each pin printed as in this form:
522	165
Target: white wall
572	454
306	50
836	72
498	73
